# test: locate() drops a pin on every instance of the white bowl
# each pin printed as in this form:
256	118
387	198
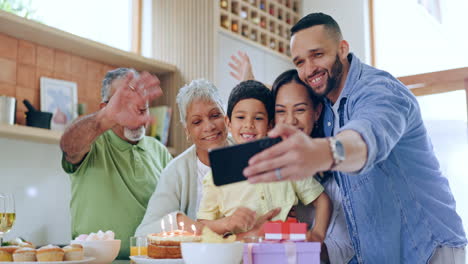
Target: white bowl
205	253
105	251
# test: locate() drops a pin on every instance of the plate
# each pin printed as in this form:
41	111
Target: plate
84	260
147	260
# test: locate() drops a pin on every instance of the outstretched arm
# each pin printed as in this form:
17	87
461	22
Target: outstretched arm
127	107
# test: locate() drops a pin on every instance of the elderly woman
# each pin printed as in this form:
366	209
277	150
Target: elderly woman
179	189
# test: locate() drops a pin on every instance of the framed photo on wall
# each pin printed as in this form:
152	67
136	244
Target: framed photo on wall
59	98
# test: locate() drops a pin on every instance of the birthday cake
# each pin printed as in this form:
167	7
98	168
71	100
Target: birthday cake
166	245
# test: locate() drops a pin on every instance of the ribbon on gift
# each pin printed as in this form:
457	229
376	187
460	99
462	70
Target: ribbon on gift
291	254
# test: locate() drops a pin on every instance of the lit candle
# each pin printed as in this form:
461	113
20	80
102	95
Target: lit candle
170	222
163	228
181	224
194	229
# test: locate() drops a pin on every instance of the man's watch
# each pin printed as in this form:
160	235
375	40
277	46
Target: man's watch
337	150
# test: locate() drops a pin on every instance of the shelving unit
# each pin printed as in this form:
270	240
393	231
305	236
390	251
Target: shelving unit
263	22
52	38
38	135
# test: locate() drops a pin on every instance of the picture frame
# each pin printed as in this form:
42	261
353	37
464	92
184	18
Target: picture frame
60	98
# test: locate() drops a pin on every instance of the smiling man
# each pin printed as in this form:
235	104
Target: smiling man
398	205
113	167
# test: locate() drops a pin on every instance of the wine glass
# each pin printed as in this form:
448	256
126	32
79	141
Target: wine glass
7	214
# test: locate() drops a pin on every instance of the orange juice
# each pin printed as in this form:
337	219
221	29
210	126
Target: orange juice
138	251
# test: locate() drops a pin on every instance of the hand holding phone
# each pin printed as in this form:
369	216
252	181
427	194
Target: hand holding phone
227	163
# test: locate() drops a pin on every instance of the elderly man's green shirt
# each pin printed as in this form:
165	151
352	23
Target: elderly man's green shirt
112	185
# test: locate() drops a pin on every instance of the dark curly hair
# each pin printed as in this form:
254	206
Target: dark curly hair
251	90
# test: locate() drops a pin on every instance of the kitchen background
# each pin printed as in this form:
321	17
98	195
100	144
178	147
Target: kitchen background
31	169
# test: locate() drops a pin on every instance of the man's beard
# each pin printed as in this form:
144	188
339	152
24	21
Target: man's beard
134	134
334	78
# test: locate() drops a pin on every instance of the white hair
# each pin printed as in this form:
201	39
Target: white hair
112	76
196	90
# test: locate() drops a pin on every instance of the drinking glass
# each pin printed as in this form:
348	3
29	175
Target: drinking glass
7	214
138	246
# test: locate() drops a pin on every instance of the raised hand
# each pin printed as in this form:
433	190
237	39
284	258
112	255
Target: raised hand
241	68
128	106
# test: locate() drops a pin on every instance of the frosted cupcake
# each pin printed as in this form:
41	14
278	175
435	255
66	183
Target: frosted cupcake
73	252
24	254
50	253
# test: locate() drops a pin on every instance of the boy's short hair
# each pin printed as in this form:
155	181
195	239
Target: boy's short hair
251	90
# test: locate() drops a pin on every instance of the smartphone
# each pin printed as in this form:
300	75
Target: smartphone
227	163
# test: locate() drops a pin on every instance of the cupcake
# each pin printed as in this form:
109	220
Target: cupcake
73	252
24	254
49	253
5	255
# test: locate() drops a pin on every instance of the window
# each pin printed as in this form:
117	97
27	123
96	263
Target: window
445	118
419	36
105	21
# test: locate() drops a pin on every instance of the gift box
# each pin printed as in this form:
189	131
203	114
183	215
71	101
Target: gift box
282	253
288	230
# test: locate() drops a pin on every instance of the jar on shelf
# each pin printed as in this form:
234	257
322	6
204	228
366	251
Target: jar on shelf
263	22
243	14
225	22
280	15
262	5
234	27
253	36
223	4
245	31
272	44
256	20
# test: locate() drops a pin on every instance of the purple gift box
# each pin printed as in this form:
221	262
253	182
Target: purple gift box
282	253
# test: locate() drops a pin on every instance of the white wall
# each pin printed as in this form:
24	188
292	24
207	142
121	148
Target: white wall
32	172
266	65
353	18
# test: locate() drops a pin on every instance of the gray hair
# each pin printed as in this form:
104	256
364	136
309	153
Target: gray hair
197	89
112	76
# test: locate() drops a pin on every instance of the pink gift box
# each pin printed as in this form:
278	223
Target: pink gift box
282	253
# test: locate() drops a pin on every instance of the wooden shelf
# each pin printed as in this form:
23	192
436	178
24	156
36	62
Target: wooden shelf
34	134
25	29
38	135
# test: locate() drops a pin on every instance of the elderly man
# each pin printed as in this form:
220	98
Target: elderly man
113	166
399	207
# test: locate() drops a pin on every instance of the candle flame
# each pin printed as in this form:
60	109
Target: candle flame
194	229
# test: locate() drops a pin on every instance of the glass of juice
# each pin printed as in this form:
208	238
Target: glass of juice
138	246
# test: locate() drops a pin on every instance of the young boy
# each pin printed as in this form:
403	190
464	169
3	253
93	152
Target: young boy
249	116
